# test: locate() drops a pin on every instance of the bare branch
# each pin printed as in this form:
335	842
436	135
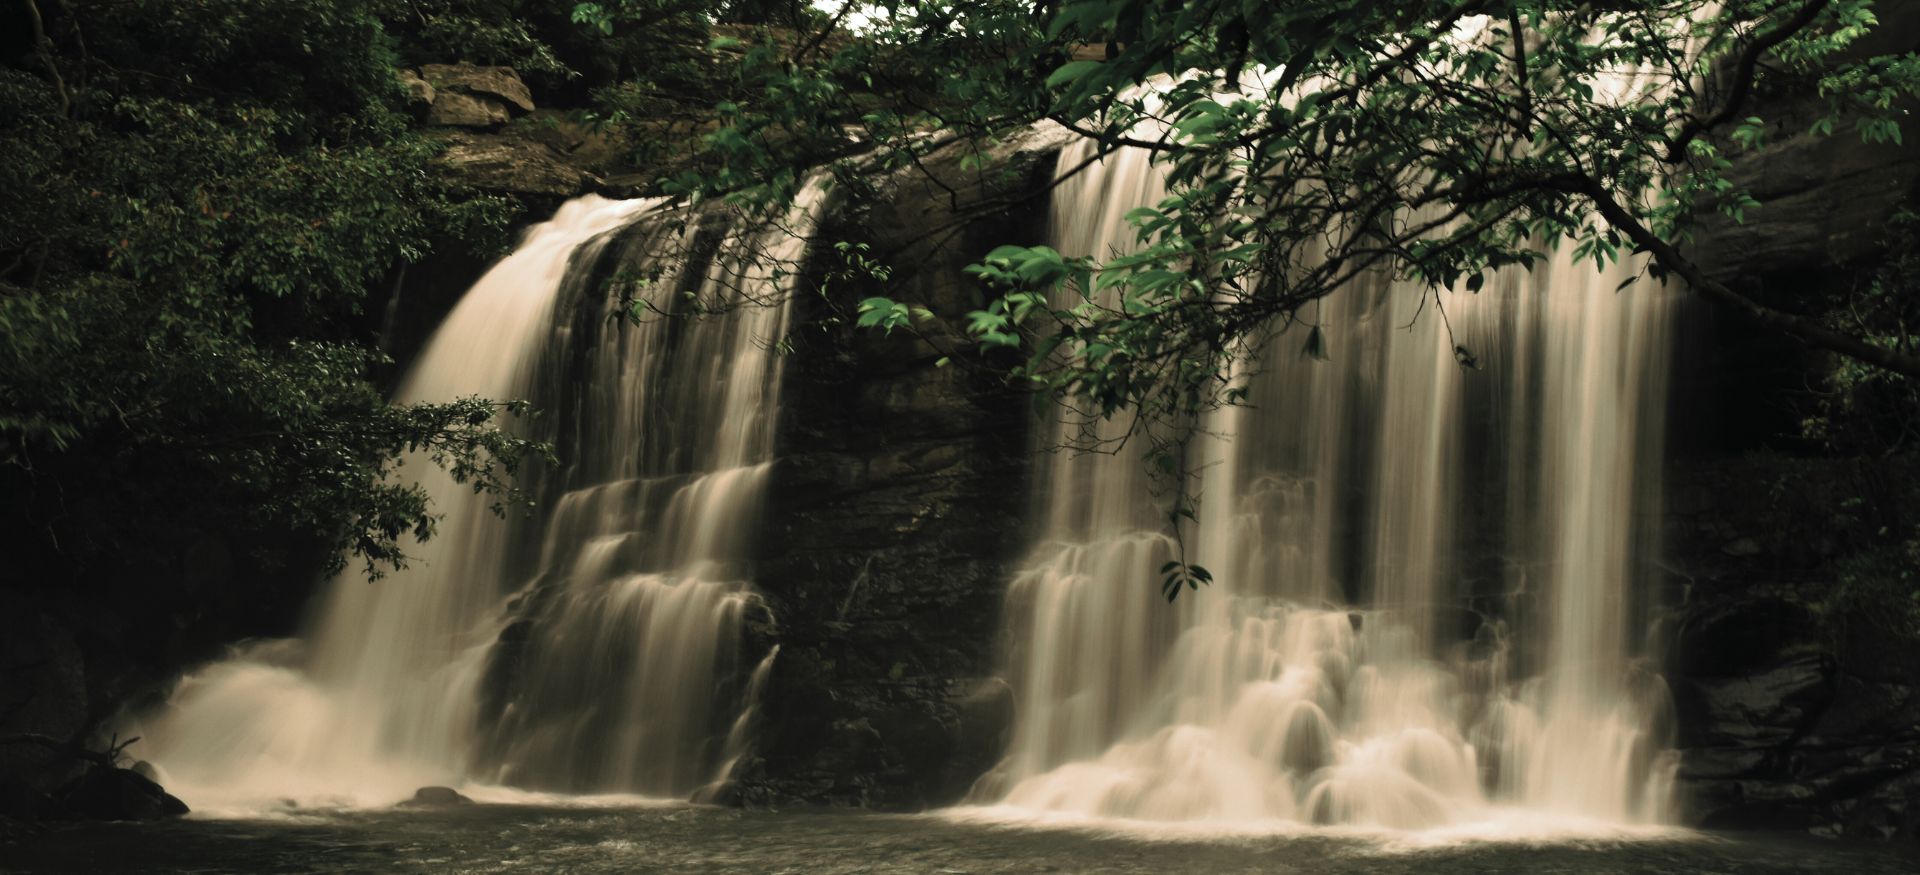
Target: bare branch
43	51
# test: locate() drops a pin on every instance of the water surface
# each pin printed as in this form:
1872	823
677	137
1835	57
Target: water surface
546	838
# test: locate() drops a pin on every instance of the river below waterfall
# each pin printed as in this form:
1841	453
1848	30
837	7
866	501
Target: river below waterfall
684	838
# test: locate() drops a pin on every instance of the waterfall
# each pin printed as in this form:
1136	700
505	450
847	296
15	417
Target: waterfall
592	647
1425	595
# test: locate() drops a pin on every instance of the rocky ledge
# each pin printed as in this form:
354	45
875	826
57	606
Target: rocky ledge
498	141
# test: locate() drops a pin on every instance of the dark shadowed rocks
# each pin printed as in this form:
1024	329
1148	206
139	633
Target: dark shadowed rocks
896	508
1798	699
109	793
435	797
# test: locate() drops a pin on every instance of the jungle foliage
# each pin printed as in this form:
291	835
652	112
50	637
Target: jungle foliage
203	199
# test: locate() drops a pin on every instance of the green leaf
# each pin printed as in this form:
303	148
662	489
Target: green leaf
1316	346
1069	72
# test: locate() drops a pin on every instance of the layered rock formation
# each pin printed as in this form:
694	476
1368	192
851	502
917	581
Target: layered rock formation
498	141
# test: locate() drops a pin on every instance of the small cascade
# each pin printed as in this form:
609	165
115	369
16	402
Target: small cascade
591	647
1425	588
620	669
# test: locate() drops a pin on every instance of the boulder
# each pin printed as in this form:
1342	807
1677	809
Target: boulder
107	793
1766	708
494	84
420	93
435	797
455	110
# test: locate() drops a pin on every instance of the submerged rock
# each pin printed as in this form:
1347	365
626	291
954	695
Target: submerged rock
436	797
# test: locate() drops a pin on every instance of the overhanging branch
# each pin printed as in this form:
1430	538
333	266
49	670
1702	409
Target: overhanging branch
1799	327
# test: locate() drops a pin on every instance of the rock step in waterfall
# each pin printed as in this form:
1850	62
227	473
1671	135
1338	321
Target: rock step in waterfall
593	647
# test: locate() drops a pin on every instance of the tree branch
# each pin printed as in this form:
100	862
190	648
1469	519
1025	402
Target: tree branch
1743	75
1799	327
826	31
1520	77
43	50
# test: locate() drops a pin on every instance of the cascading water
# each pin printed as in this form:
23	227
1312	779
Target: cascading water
590	648
1389	478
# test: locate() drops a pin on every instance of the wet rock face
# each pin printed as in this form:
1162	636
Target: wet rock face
1798	706
1824	200
896	507
1821	226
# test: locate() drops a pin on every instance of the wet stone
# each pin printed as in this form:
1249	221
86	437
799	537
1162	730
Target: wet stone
436	797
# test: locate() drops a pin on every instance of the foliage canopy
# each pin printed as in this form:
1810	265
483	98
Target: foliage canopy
202	198
1308	142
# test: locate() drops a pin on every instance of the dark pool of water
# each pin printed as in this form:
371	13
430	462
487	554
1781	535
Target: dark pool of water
524	838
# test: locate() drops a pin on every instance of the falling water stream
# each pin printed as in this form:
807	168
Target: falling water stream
592	648
1360	660
1423	615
